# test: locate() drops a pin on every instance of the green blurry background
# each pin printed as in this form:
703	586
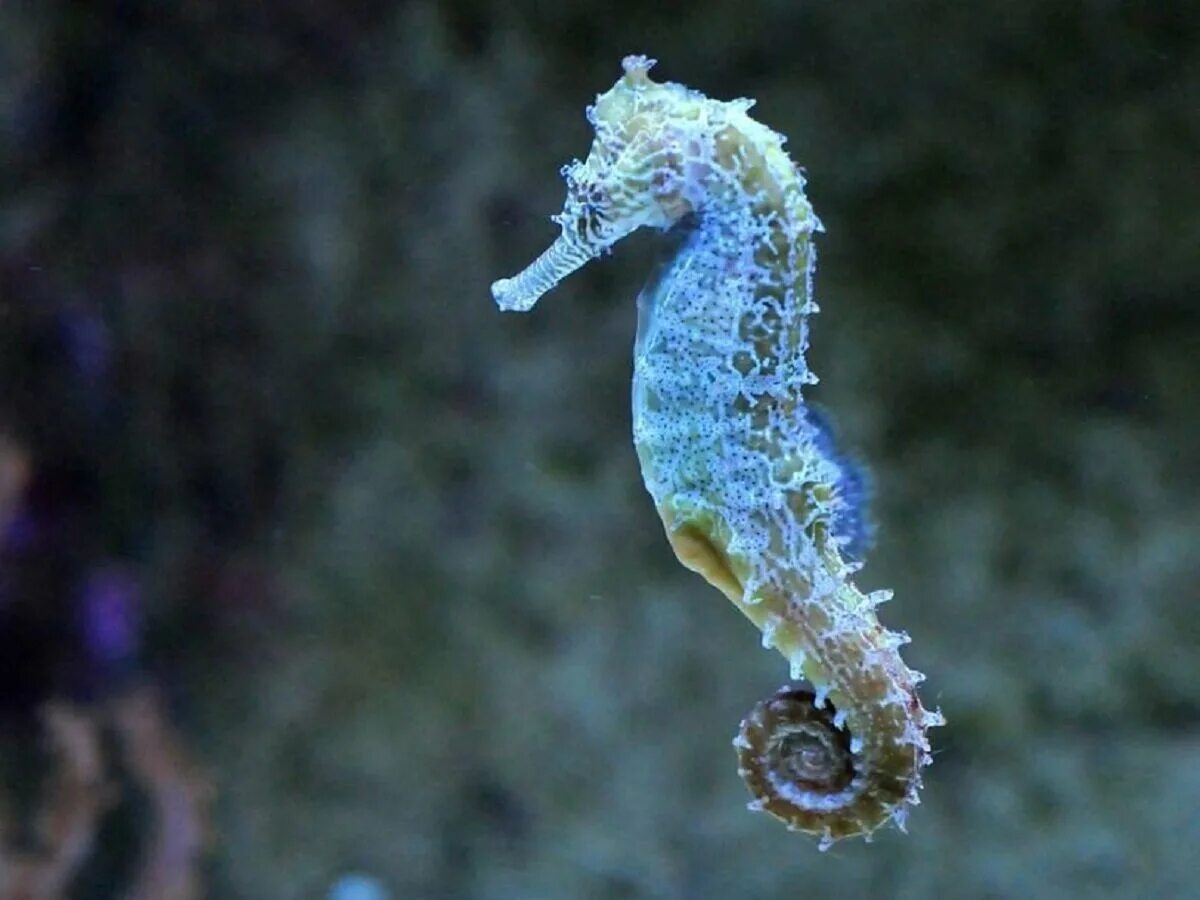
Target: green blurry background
395	572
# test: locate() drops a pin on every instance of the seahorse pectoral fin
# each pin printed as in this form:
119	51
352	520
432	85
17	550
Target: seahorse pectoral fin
524	289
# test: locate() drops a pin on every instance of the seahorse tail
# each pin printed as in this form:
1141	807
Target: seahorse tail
843	758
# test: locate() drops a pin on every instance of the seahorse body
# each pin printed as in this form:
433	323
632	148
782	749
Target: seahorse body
743	474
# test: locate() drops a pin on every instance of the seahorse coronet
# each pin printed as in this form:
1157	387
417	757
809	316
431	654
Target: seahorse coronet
747	479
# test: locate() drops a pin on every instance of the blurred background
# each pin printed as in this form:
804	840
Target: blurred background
319	577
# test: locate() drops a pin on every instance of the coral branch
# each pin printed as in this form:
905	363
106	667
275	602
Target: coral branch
66	825
180	797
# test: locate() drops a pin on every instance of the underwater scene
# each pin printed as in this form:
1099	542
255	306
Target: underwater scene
604	451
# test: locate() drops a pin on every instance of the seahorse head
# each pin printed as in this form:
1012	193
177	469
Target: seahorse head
633	176
635	173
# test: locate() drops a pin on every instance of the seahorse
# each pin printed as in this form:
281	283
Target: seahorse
745	477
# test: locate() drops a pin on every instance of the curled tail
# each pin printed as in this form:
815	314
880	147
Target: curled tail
843	757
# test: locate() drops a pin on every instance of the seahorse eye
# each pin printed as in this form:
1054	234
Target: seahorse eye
597	226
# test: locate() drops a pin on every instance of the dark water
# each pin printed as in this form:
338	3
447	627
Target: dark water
345	582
